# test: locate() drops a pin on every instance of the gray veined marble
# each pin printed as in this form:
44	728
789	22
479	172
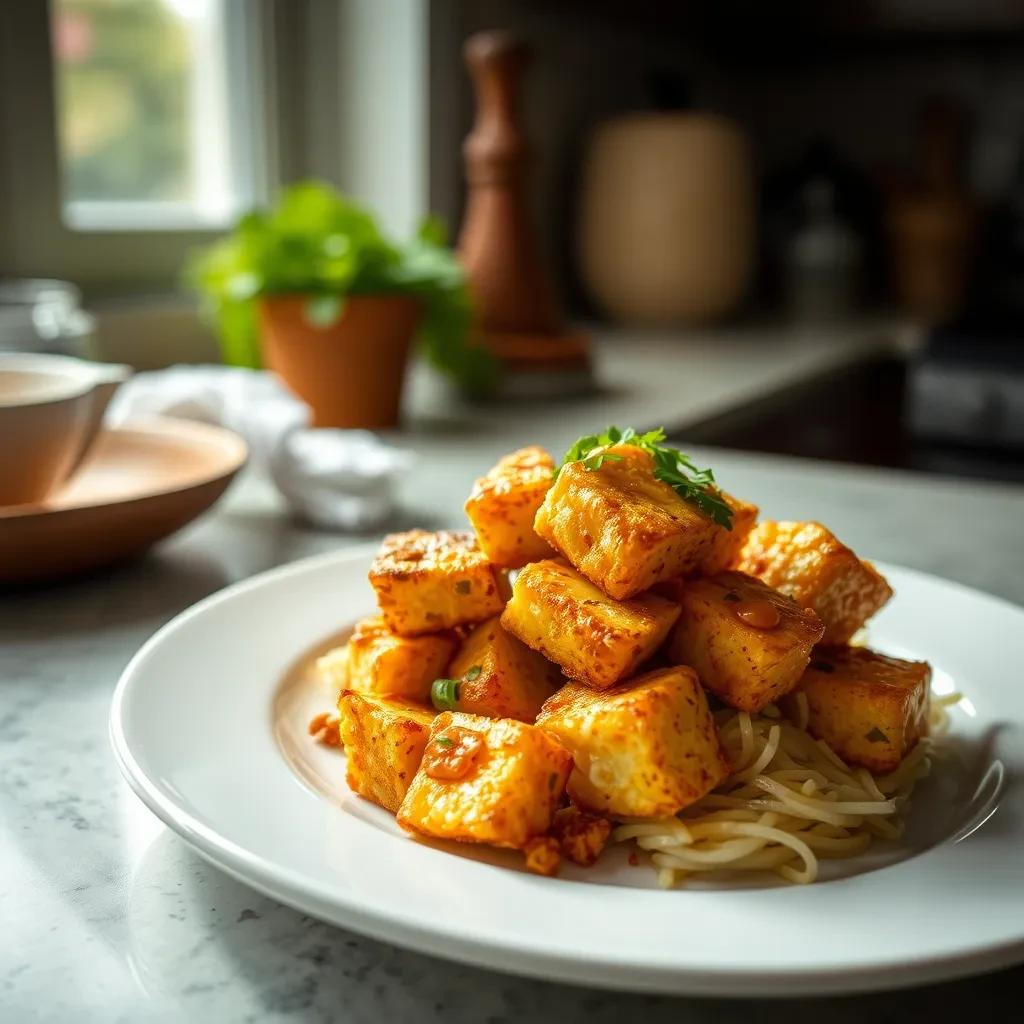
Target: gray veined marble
107	916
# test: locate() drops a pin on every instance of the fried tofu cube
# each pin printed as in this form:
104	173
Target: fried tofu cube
807	562
869	708
504	503
727	543
500	677
620	527
381	662
644	749
749	643
486	780
593	638
384	738
427	582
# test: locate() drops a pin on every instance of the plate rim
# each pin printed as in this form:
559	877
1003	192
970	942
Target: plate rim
295	890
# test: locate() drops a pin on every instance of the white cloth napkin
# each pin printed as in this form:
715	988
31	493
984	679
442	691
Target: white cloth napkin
340	479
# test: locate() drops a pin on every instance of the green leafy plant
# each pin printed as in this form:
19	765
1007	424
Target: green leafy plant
320	244
671	466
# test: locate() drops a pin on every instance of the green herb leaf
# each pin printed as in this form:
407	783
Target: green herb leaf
671	466
444	694
473	673
444	741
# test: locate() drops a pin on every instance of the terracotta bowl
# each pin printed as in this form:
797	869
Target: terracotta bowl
141	483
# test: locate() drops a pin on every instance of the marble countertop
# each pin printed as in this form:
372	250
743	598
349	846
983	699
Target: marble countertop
107	916
669	377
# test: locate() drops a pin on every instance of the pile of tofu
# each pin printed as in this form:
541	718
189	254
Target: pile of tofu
579	691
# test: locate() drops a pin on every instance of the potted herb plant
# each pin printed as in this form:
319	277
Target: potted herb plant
312	290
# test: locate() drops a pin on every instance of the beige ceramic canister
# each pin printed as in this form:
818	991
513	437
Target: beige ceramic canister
667	226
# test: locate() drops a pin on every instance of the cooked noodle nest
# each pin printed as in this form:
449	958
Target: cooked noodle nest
789	802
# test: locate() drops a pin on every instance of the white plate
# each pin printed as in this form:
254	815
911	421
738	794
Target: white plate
213	741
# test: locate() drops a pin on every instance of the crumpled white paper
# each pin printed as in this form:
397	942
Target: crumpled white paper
340	479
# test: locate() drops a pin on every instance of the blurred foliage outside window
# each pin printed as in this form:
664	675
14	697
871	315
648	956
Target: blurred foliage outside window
123	70
146	118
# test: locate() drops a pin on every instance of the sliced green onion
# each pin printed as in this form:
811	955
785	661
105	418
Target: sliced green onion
473	673
444	694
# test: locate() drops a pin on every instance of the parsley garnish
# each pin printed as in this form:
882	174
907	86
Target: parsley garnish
671	466
443	741
473	673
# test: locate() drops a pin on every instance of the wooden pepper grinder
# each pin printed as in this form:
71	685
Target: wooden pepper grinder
518	316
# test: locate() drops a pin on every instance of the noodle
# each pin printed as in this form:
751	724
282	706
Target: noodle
790	801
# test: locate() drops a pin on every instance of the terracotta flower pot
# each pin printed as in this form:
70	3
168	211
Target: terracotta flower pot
350	372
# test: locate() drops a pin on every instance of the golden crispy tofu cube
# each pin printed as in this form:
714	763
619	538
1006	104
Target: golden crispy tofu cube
726	545
486	780
426	582
647	748
594	639
805	561
749	643
504	503
500	676
384	740
379	661
621	528
870	709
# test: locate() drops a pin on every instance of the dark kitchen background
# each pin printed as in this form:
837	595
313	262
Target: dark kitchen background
887	146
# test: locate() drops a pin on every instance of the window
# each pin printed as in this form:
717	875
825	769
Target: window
157	112
132	131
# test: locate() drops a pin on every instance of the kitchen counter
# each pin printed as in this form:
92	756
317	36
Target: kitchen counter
108	916
681	378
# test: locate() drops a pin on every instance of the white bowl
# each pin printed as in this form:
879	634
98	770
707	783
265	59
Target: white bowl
51	409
